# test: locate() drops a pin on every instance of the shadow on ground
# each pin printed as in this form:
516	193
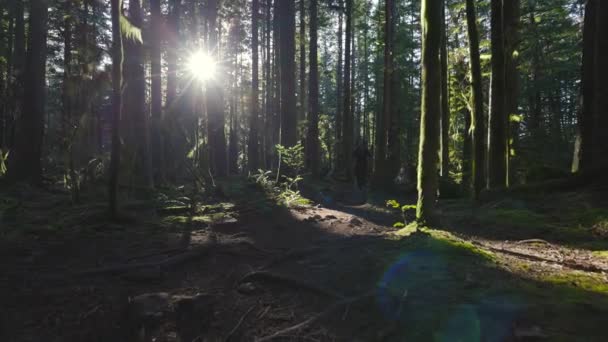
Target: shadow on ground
423	287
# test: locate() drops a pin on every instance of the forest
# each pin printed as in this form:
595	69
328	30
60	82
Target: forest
303	170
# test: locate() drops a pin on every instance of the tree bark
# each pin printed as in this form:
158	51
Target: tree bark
302	109
445	104
586	113
338	119
253	146
347	128
25	160
116	104
384	121
600	142
511	24
287	65
477	118
157	151
215	108
498	132
430	112
312	139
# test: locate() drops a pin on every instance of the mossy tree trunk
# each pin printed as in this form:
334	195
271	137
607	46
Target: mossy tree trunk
445	102
477	118
430	112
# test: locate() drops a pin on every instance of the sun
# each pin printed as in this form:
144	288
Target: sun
201	66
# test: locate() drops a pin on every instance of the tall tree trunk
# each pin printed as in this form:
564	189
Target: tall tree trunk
381	174
600	141
252	147
287	61
339	92
17	73
445	104
157	151
430	112
312	139
477	118
586	113
116	104
269	88
498	132
25	162
511	24
137	138
347	128
302	109
215	107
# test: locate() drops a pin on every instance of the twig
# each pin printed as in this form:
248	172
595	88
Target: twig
280	278
521	242
316	317
238	324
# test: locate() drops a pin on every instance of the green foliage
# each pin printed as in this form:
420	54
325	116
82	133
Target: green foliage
292	157
394	204
285	192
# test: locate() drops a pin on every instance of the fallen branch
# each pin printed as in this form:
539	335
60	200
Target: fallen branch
521	242
280	278
316	317
238	324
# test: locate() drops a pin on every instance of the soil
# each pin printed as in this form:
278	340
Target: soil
270	273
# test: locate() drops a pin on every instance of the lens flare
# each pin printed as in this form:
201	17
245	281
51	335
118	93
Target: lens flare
202	66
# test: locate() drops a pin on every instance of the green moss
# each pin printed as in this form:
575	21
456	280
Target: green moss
601	254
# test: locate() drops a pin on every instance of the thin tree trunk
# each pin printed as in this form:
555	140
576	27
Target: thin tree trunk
116	104
498	132
338	119
302	109
347	128
312	140
511	24
445	104
586	113
430	112
157	150
252	147
477	118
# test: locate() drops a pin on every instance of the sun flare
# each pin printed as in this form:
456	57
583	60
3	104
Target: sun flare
201	66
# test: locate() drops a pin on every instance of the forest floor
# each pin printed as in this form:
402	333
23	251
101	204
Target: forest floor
237	267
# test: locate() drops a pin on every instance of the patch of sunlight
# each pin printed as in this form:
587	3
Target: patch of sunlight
459	243
601	254
407	230
580	280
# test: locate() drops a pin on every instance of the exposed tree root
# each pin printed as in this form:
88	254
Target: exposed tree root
187	255
521	242
315	318
238	324
283	279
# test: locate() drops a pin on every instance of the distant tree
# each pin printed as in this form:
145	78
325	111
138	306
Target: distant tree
511	31
156	101
25	161
347	116
116	8
302	41
430	112
215	107
253	152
